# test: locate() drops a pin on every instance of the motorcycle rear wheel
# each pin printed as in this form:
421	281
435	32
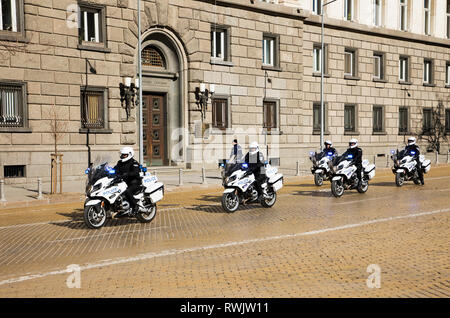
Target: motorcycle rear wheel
230	202
337	188
94	216
147	217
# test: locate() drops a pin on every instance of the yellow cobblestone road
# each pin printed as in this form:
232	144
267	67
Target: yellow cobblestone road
309	245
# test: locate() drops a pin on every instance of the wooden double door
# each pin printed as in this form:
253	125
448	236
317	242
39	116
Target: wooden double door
154	129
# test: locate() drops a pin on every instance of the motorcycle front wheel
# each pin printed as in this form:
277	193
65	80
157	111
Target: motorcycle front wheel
363	187
318	179
399	179
94	216
337	188
230	202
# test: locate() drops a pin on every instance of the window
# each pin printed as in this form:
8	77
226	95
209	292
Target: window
403	69
220	113
316	117
269	51
427	120
447	120
403	15
219	43
377	9
427	16
14	171
9	15
317	58
378	122
13	105
349	118
427	71
151	56
447	74
403	120
92	28
350	62
94	108
270	115
378	66
317	6
448	19
348	10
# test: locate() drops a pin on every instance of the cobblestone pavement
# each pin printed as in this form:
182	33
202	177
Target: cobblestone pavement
309	245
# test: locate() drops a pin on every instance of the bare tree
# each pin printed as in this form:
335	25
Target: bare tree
58	127
434	131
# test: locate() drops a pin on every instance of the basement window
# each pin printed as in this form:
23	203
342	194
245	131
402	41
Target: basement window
14	171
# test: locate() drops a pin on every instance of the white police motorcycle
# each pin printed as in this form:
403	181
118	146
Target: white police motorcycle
405	166
104	196
345	176
321	168
240	188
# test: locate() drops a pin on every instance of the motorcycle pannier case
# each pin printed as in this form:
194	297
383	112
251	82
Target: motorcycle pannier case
426	165
156	192
370	171
276	181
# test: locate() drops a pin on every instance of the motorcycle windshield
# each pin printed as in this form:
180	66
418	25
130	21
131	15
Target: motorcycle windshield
100	169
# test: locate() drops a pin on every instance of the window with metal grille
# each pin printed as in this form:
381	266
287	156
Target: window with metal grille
378	119
270	115
14	171
447	120
93	104
220	113
427	120
151	56
11	105
316	117
349	118
403	120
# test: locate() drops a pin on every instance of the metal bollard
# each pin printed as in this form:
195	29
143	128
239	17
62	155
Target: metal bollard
298	169
39	197
387	161
2	191
180	177
204	176
448	157
437	157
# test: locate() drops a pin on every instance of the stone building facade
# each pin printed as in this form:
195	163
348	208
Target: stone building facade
257	57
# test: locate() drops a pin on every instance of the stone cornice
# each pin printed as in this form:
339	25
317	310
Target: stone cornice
337	24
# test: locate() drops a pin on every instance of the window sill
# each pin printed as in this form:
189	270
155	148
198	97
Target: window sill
218	131
15	130
13	36
379	133
379	80
429	85
404	133
351	133
318	74
447	86
94	48
351	77
317	132
271	68
273	132
95	131
404	83
216	61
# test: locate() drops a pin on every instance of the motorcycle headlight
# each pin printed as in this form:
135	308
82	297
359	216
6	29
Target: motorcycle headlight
340	167
95	188
403	161
231	179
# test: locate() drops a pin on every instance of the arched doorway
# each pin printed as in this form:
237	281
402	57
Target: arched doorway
164	90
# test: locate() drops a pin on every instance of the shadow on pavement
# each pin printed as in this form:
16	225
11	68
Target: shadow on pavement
322	194
219	209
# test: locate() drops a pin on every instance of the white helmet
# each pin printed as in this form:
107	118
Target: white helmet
353	143
328	142
411	141
126	153
253	148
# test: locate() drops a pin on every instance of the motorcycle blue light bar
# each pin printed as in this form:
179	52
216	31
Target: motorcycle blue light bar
112	171
392	152
311	153
330	153
350	156
87	171
244	165
413	152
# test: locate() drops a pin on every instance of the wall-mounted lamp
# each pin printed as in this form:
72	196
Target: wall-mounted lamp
202	95
128	92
